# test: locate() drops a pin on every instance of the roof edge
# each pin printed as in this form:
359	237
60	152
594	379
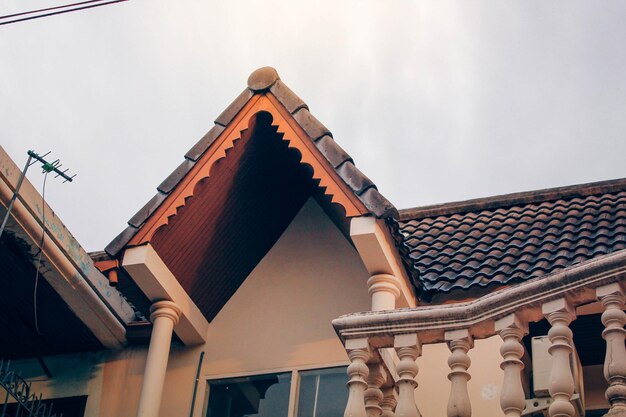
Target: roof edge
513	199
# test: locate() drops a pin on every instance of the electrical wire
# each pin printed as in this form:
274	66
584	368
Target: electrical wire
66	9
41	245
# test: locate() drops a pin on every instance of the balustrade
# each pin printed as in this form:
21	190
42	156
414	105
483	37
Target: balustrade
505	313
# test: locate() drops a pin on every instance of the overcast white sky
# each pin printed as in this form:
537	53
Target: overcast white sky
436	101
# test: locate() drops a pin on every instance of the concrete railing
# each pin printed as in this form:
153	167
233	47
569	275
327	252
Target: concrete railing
505	313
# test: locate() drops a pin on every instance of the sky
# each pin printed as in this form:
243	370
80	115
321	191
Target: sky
436	101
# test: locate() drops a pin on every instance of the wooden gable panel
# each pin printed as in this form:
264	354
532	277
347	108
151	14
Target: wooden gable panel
235	215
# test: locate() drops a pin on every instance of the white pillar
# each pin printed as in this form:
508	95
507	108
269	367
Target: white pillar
373	393
560	314
512	330
358	352
384	290
459	342
613	318
388	404
409	349
164	316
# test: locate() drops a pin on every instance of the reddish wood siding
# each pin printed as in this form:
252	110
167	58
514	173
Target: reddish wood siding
235	216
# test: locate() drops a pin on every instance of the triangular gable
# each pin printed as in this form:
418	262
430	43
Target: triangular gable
345	184
239	187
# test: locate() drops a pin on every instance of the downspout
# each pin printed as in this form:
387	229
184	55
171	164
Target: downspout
195	385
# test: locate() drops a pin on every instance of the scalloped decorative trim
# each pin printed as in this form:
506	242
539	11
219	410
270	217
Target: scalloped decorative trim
296	139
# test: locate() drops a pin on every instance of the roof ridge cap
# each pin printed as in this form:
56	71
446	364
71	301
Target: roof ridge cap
514	199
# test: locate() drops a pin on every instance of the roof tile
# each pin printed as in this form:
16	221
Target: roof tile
496	243
231	111
174	178
287	98
354	178
140	217
120	241
203	144
313	127
332	151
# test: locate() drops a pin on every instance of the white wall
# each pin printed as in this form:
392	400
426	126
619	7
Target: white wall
281	316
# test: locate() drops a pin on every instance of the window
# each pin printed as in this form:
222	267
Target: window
321	393
262	396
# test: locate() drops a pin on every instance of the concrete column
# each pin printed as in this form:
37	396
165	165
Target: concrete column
384	290
164	316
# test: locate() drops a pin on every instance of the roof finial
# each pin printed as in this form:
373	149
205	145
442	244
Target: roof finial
262	79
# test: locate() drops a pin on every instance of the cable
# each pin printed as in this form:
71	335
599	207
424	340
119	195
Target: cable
57	12
49	8
41	244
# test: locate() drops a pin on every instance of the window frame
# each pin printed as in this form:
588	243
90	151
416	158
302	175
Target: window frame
294	389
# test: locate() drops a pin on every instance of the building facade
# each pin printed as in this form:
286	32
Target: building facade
268	272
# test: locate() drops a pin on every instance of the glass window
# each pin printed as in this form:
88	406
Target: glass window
253	396
323	393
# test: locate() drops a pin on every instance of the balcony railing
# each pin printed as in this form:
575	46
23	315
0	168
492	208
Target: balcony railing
505	313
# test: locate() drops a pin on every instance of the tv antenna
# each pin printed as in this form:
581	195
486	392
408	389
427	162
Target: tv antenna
47	167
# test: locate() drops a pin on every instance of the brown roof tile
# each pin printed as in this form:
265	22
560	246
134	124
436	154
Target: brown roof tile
231	111
332	151
140	217
203	144
313	127
174	178
510	238
287	98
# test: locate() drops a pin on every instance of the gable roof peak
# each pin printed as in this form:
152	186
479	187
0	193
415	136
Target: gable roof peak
262	79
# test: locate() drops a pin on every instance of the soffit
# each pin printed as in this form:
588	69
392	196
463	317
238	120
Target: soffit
59	329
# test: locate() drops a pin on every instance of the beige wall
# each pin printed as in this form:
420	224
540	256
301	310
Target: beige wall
484	387
280	318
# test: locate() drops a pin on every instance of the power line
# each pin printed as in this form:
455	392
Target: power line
56	10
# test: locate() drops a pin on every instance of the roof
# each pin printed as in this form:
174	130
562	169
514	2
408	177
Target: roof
505	239
265	81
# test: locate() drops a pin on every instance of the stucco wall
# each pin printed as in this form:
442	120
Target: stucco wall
281	315
484	388
280	318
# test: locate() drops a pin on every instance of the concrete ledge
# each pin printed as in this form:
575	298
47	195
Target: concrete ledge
158	283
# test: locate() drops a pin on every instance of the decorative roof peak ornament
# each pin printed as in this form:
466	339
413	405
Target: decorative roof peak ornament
262	79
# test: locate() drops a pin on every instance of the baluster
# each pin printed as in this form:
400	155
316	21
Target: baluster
459	343
613	318
373	393
359	353
408	348
388	404
560	314
512	398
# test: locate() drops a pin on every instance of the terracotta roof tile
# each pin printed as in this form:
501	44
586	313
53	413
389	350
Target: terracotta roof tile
231	111
510	238
313	127
140	217
287	98
174	178
203	144
332	151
